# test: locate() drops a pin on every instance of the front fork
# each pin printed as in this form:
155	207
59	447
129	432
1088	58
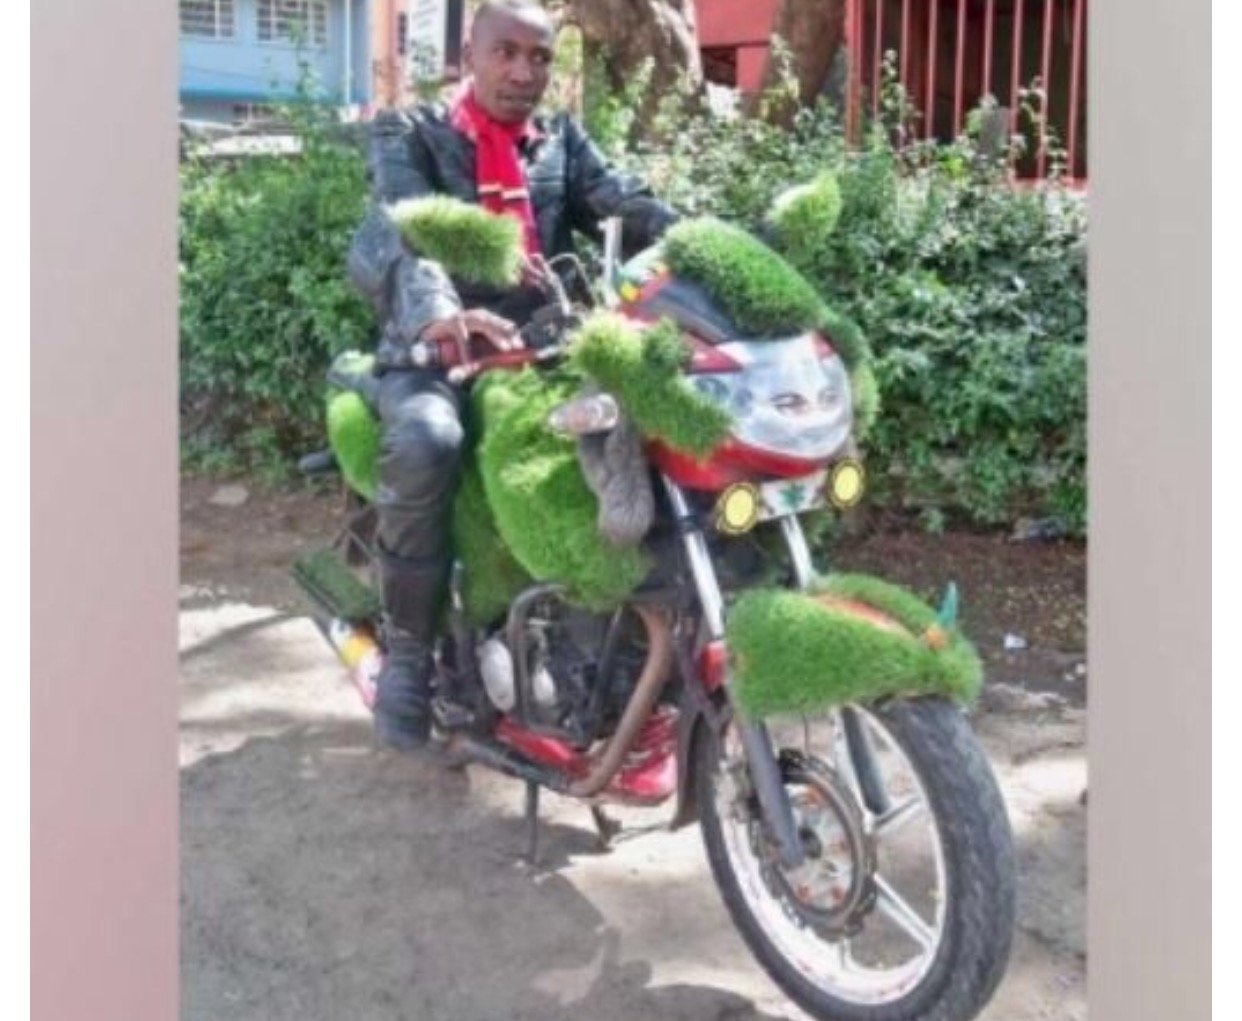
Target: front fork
765	770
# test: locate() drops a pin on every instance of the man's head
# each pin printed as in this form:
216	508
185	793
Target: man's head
510	57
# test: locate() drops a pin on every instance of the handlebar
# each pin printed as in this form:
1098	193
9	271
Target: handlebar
543	339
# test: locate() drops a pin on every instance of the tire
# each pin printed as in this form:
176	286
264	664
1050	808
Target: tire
977	852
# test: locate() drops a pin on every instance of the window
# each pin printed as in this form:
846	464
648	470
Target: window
208	19
294	20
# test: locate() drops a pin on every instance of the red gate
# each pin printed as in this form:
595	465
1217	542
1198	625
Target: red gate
952	53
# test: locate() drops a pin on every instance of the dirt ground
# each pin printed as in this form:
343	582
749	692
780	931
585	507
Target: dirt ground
324	878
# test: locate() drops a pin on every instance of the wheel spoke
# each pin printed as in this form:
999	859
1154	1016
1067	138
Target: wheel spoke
845	959
905	917
897	816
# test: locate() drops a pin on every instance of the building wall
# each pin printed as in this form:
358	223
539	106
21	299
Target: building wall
217	74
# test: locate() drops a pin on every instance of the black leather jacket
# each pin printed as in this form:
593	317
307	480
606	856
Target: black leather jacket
417	152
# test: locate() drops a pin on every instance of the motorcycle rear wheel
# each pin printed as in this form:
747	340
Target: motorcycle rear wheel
963	949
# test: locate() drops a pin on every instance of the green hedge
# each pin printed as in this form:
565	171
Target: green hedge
971	295
265	301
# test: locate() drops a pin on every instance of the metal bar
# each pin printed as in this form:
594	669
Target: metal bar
877	59
1044	75
866	769
1075	75
959	68
1016	70
854	53
699	558
905	40
799	552
929	101
532	822
989	18
856	63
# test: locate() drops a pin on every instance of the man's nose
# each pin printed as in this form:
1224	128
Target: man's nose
522	71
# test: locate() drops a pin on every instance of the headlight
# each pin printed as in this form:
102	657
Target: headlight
785	398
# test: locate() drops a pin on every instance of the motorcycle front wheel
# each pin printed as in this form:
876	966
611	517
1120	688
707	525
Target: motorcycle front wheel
904	907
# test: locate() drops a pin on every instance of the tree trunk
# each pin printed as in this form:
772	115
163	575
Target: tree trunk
622	34
814	31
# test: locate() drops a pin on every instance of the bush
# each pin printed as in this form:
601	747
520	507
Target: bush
265	302
970	291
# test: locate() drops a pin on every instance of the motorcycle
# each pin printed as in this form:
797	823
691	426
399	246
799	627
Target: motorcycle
858	838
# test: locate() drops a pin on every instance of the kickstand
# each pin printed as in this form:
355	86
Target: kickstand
606	828
532	822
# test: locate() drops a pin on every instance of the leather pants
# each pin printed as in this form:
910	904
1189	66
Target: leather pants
419	465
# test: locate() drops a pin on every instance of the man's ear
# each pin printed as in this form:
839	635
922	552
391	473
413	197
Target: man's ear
467	58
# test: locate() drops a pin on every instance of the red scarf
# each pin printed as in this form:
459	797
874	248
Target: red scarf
498	171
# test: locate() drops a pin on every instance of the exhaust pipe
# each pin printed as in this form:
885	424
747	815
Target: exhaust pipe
465	747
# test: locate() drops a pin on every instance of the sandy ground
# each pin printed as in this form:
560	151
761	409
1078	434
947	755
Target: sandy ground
326	879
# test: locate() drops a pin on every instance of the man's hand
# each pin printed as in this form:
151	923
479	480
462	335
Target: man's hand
537	273
460	326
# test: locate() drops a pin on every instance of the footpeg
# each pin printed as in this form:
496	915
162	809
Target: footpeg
450	715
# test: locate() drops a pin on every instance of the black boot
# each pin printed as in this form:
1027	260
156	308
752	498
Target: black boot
403	691
411	591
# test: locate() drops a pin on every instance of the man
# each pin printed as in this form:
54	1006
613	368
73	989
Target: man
488	148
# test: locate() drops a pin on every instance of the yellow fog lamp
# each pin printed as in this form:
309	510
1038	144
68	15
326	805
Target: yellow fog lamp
737	510
846	483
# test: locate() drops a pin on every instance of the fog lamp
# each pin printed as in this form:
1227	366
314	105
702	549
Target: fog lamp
737	510
846	483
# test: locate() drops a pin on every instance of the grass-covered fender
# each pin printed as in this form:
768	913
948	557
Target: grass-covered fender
471	243
852	638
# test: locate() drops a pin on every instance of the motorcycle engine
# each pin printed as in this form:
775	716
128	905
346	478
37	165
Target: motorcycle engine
562	648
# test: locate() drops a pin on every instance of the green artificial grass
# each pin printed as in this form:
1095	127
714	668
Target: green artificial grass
804	215
544	510
793	654
491	577
327	579
642	369
354	435
761	292
471	243
845	335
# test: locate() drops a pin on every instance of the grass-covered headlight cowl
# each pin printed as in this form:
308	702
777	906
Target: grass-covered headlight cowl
785	397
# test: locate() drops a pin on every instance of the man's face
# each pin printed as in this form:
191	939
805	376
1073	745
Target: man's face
510	57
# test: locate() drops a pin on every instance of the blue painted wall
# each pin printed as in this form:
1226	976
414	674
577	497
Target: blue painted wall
218	73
